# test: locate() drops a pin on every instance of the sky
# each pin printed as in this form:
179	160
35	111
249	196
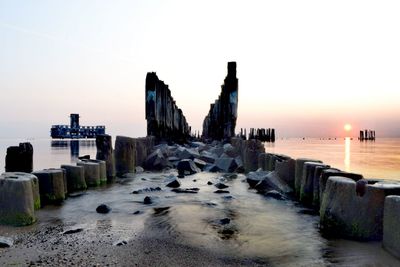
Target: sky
305	68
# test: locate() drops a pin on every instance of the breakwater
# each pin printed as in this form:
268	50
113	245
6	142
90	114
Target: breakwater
349	205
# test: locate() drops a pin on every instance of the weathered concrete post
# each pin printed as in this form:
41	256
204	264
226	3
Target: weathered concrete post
18	198
92	173
105	152
75	178
391	222
125	152
299	173
19	158
51	185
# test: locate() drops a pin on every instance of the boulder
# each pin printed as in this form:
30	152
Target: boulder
18	198
208	157
156	161
103	209
51	185
200	163
187	167
226	164
92	173
230	150
391	222
172	182
271	181
253	178
275	194
105	152
19	158
187	153
343	213
299	173
307	182
147	200
6	242
125	154
102	168
286	170
221	186
217	150
139	169
75	178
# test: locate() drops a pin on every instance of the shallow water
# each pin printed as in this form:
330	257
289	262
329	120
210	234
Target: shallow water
261	231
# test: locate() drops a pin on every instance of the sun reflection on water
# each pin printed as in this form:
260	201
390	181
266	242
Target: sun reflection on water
347	143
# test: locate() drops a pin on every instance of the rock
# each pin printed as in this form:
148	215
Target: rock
92	173
286	170
230	150
187	167
253	178
225	221
121	243
200	163
137	212
105	152
51	185
156	161
208	157
271	181
275	194
217	150
147	200
212	168
299	173
103	209
75	178
18	198
307	182
391	222
173	182
139	169
73	231
102	169
125	152
6	242
221	186
186	190
20	158
187	153
219	191
209	183
345	214
226	164
149	189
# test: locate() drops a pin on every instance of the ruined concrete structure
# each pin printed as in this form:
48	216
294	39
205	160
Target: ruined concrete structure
220	122
165	121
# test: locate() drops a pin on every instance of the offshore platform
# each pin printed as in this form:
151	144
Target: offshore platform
75	131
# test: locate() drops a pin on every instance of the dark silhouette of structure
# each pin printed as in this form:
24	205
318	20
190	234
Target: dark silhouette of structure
74	130
165	121
264	135
367	135
220	122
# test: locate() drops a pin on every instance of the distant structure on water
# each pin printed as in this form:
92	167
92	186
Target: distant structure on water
367	135
75	131
220	122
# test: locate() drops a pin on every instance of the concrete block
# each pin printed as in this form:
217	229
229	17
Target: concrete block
307	182
18	198
105	152
92	173
299	173
391	223
286	170
51	185
19	158
103	169
75	178
125	153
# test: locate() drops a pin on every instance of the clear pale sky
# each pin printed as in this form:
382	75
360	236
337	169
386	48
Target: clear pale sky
305	67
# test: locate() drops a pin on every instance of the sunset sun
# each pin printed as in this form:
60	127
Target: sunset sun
347	127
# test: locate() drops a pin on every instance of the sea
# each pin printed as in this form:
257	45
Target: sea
261	231
373	159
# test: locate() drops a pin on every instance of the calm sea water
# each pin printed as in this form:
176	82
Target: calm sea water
261	230
379	159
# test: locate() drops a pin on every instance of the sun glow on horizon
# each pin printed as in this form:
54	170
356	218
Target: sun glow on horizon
347	127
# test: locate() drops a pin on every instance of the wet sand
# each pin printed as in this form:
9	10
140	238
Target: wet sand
181	230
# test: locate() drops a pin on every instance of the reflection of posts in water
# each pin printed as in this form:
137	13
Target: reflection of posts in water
347	151
74	146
